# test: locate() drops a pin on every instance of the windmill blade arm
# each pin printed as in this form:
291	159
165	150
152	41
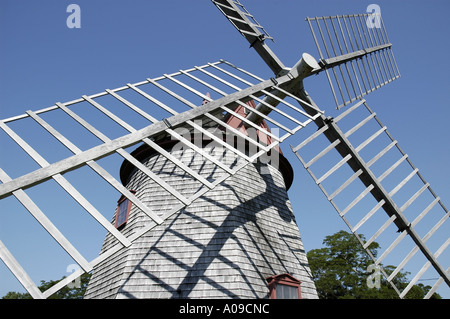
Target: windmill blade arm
358	208
357	57
253	32
153	130
335	61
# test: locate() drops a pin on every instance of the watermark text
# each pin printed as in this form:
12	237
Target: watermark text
74	19
374	18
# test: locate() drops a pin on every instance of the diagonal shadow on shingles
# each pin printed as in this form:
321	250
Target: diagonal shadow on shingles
210	251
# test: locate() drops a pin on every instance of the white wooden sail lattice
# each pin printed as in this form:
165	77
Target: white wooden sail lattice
357	164
358	59
387	181
233	88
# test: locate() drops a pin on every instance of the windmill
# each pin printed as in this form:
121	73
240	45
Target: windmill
364	63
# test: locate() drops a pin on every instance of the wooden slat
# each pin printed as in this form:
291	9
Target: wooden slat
424	268
315	110
254	33
345	184
392	246
357	199
132	106
47	224
19	272
425	211
177	162
124	191
390	169
365	47
414	197
359	125
153	176
380	230
368	215
310	138
109	114
381	153
370	139
348	111
122	88
436	286
403	182
322	153
333	169
103	173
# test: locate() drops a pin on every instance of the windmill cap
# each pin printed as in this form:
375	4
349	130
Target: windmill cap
144	151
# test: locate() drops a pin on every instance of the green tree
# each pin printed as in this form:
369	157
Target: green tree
64	293
340	271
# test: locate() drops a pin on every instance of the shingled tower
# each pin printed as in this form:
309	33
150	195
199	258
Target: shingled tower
238	241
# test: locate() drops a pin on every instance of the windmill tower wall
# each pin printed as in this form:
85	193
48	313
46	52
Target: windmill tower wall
223	245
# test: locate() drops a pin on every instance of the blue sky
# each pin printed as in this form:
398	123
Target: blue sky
42	61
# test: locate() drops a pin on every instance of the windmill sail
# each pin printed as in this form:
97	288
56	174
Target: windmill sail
255	34
148	102
357	57
355	54
396	186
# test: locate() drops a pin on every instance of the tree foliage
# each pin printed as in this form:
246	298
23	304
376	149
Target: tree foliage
340	271
75	292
